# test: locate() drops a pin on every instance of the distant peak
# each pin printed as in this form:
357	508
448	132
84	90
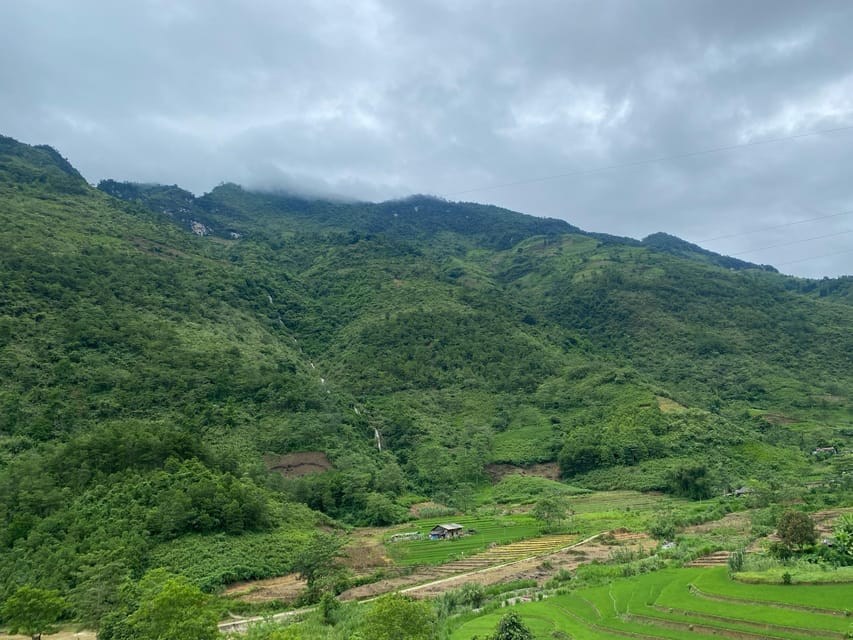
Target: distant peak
667	243
39	164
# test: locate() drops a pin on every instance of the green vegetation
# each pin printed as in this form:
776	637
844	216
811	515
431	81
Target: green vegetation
675	602
482	532
396	617
147	373
796	529
510	627
316	562
517	489
171	609
32	611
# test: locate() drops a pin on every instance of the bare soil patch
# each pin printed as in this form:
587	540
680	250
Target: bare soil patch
541	568
431	581
668	405
365	553
716	559
825	520
294	465
549	470
739	521
284	588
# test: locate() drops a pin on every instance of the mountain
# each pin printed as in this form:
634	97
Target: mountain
678	247
161	352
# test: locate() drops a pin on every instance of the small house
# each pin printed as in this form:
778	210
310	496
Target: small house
827	451
445	531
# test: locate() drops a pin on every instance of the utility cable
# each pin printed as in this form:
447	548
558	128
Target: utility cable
823	255
778	226
637	163
786	244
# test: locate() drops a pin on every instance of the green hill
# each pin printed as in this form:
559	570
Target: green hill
155	345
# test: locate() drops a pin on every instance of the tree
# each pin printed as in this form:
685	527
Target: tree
663	527
316	562
550	511
396	617
329	607
33	611
171	608
472	594
511	627
692	481
843	534
796	529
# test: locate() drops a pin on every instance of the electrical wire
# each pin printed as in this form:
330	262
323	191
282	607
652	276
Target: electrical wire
787	244
637	163
823	255
778	226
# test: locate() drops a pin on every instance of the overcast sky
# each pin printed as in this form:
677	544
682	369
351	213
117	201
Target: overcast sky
376	100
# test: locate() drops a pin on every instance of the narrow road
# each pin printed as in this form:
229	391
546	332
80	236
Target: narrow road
496	567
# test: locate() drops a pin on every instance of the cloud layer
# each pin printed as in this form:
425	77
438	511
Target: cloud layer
374	100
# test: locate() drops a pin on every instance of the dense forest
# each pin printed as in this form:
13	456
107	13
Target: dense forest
157	349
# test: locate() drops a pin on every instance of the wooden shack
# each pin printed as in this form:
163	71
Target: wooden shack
445	531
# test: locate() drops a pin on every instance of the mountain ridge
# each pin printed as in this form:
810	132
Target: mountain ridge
137	354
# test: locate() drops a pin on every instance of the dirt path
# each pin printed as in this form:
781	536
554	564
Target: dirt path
540	568
284	588
500	555
493	575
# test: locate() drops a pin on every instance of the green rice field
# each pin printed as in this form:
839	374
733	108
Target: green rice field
488	530
680	603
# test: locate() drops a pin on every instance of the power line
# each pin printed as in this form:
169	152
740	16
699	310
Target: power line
823	255
636	163
778	226
787	244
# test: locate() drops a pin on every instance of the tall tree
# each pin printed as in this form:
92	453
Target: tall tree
33	611
171	608
396	617
316	562
511	627
796	529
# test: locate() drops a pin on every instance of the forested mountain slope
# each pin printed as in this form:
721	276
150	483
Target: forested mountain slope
154	346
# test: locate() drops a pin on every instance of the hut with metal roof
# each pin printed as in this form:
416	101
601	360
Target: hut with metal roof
445	531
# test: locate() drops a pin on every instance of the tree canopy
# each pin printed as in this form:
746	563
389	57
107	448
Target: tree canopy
33	611
396	617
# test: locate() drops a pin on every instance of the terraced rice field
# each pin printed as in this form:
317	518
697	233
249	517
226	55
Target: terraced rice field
716	559
680	603
603	501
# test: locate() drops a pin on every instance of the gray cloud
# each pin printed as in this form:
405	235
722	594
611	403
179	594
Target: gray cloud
376	99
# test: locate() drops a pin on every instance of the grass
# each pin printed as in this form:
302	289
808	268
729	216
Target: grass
799	575
524	444
518	489
594	511
488	530
662	605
